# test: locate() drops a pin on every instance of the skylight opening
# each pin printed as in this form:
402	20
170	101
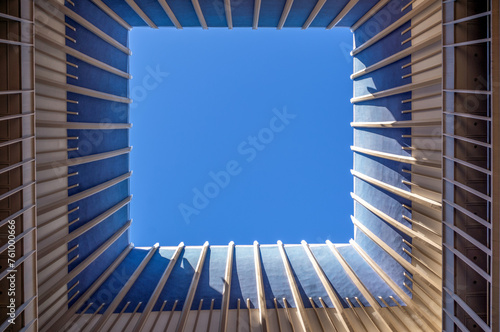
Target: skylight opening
240	135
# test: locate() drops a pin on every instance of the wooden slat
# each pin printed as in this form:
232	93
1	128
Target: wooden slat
332	294
423	313
256	12
141	13
48	293
82	160
304	320
44	250
170	13
314	13
397	90
394	223
359	285
89	26
398	56
124	290
156	293
397	157
227	288
112	14
284	14
79	55
397	124
415	270
84	91
229	17
199	13
342	14
186	308
375	9
260	288
400	192
83	194
414	12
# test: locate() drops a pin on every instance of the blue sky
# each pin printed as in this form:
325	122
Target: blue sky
240	135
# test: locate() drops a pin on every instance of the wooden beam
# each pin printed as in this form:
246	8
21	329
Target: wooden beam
16	165
124	290
361	322
199	13
131	316
284	14
328	314
249	315
59	241
57	324
435	285
89	26
408	316
74	320
261	295
38	94
397	124
400	192
396	224
170	13
198	315
366	313
397	90
12	42
397	157
63	296
210	315
288	315
15	18
436	310
421	32
171	315
87	323
79	55
342	14
118	317
227	288
112	14
397	318
375	9
414	12
277	314
84	91
82	160
64	255
48	293
256	12
156	293
16	239
304	320
238	305
359	285
83	194
313	14
158	315
186	308
229	17
16	190
422	58
332	294
397	56
141	13
316	314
